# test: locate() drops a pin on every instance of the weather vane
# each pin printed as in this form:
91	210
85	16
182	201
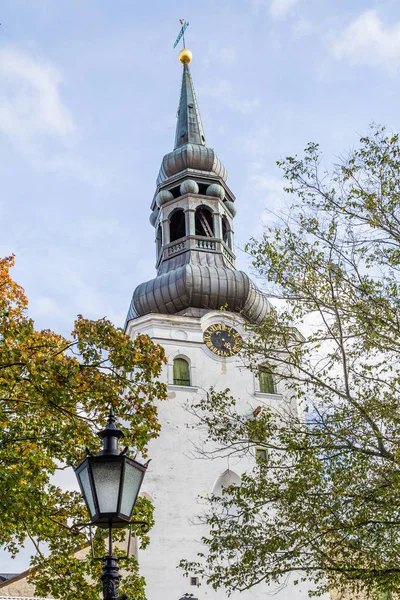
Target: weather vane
185	25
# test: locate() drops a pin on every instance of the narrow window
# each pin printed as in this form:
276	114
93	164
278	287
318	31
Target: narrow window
194	581
177	225
266	381
261	454
159	240
226	230
181	372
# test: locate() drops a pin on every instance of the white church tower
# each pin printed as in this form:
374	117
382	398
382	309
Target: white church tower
193	212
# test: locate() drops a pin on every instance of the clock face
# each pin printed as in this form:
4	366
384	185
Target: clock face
222	339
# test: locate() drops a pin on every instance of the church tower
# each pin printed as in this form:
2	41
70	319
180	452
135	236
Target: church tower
193	212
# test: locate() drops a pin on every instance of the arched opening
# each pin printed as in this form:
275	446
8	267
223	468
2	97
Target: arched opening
226	232
159	240
177	228
203	222
266	381
223	487
223	482
181	372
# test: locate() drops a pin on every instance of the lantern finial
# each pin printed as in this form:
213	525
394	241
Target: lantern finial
110	436
111	416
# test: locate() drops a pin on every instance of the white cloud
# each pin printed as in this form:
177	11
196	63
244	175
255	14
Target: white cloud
277	8
271	198
369	42
224	92
30	101
35	119
270	190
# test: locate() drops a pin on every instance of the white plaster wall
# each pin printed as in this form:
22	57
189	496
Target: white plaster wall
176	479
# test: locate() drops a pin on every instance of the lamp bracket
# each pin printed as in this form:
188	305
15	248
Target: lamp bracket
77	527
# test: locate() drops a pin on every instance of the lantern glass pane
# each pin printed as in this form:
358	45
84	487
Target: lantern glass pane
87	490
132	482
106	476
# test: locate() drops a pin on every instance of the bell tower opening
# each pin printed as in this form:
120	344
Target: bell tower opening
226	232
204	222
159	240
177	225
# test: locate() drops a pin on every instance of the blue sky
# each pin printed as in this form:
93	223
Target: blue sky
88	97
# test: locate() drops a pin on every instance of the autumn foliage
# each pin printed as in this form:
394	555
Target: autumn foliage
56	393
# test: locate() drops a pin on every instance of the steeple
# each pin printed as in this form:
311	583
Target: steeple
190	150
192	213
189	128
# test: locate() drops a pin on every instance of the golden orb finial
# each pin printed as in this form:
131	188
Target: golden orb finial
185	56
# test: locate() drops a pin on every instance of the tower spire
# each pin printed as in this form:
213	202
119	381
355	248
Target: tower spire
192	213
189	128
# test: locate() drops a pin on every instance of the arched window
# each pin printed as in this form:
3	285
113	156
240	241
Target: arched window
177	227
266	381
227	479
226	232
181	372
159	240
203	222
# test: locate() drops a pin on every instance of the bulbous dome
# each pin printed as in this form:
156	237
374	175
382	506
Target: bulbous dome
216	190
200	286
231	207
163	197
191	156
189	186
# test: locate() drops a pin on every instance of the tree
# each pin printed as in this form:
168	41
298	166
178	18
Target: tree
324	506
55	394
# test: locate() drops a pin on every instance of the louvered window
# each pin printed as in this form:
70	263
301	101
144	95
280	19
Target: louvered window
266	381
181	372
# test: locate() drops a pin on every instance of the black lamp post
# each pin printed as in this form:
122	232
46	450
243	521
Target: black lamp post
110	483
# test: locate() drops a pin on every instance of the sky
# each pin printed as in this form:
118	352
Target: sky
89	91
88	97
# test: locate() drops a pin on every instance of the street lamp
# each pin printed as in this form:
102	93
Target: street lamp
110	483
